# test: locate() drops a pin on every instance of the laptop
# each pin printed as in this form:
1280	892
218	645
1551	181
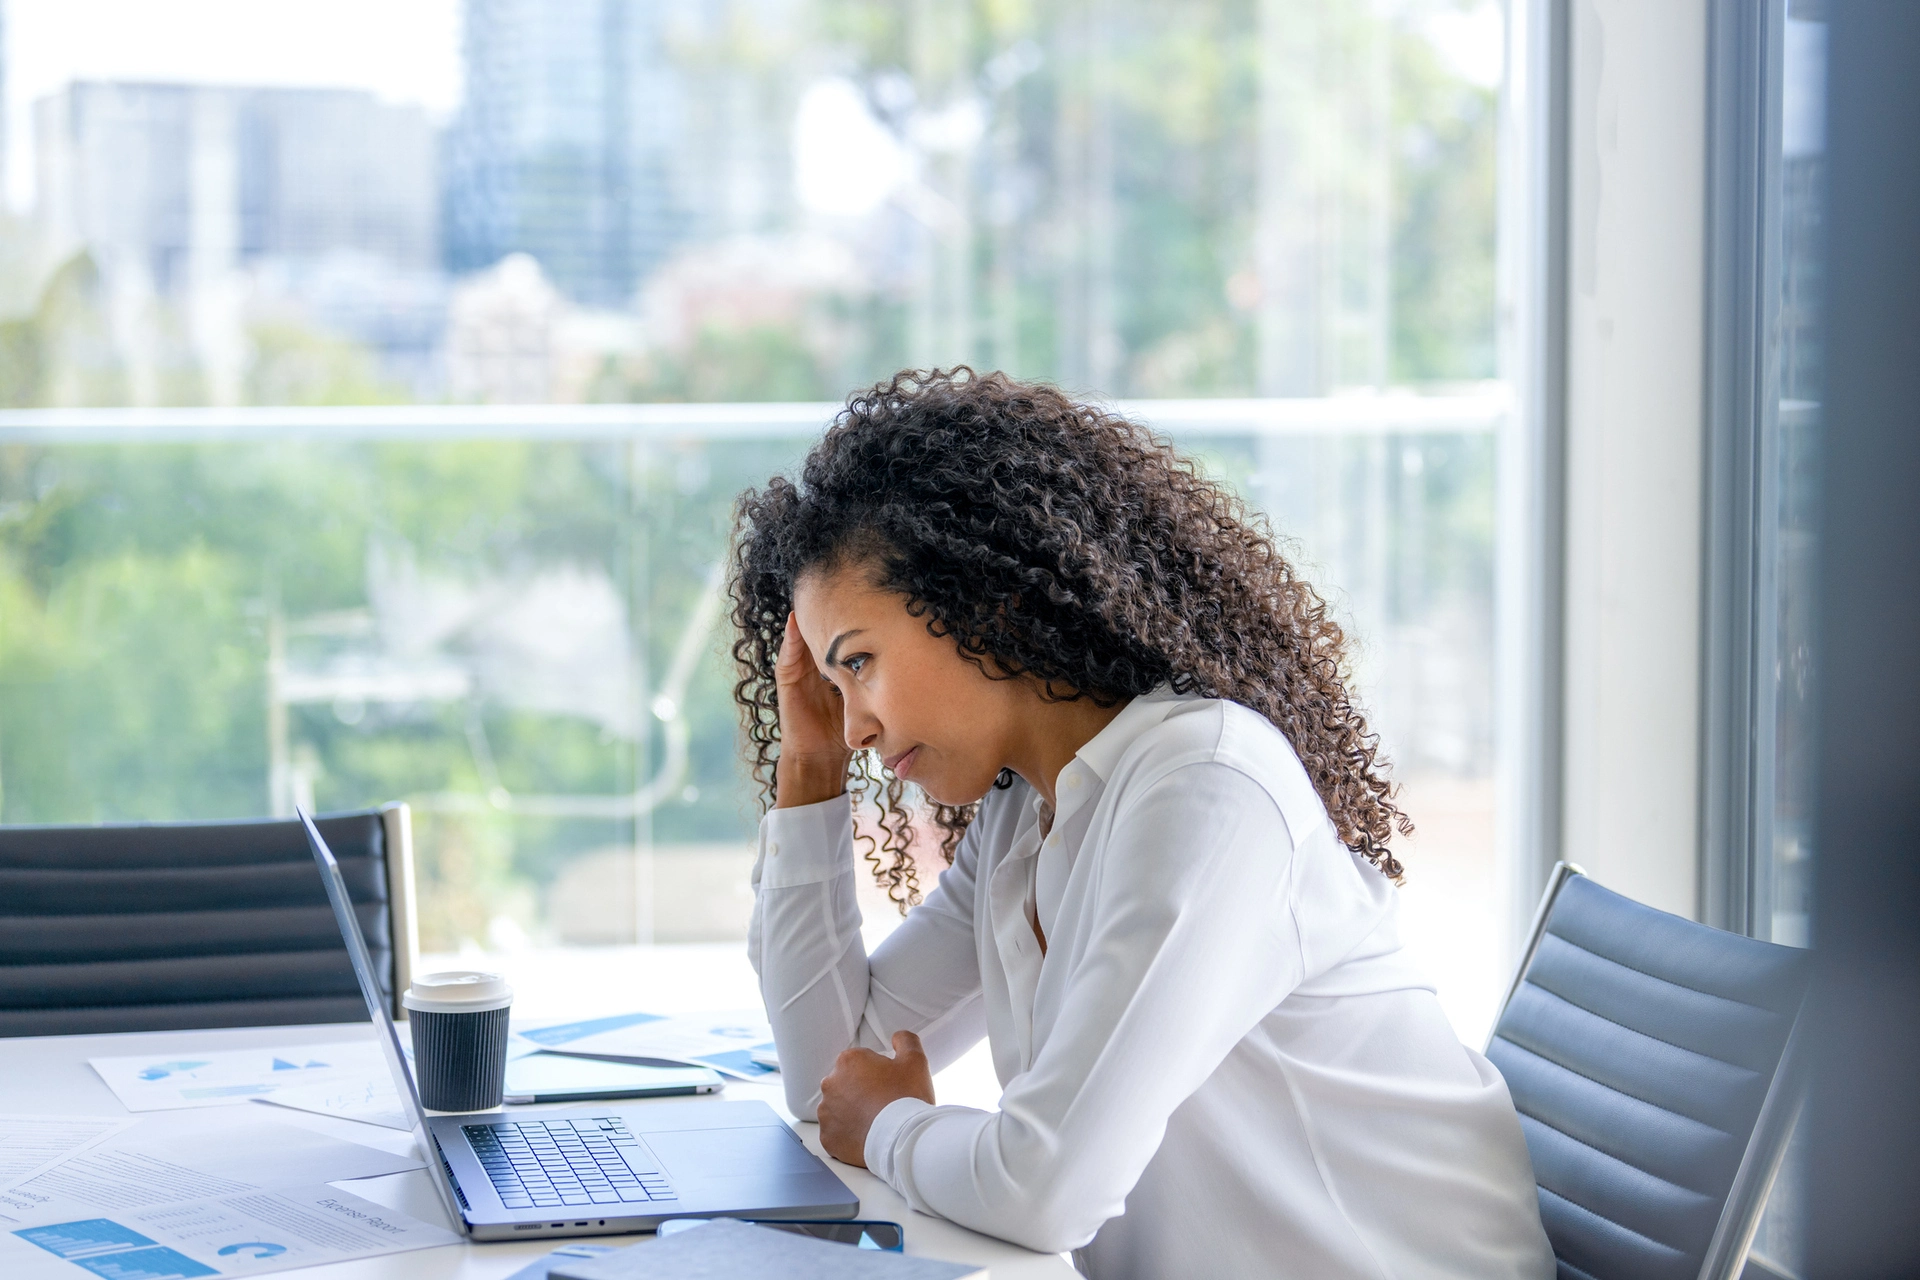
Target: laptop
598	1170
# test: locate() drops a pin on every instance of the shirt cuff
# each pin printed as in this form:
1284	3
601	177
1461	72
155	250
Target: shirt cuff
807	843
885	1134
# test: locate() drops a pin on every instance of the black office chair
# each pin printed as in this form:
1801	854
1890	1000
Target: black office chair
162	926
1652	1062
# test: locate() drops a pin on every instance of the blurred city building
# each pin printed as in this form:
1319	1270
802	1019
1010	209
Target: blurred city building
6	140
595	135
560	147
174	172
500	334
178	191
513	338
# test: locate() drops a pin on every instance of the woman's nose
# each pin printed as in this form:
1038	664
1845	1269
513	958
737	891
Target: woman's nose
862	730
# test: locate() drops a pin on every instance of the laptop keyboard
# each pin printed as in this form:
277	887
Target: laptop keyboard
543	1163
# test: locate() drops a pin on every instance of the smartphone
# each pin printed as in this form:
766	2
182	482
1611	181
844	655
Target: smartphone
862	1234
553	1077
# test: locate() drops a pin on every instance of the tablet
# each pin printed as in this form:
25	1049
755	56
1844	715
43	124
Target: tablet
551	1077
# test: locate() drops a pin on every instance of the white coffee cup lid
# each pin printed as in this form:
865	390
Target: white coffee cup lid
458	991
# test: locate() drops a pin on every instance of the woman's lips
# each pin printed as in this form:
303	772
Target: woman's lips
898	765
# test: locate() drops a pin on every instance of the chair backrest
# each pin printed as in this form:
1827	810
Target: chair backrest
158	926
1641	1050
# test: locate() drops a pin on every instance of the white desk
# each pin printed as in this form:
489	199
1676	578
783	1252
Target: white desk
50	1074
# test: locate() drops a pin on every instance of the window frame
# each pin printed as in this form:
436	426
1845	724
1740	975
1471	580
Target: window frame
1740	587
1530	581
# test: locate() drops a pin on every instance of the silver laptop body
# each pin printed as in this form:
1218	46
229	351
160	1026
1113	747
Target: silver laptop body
599	1170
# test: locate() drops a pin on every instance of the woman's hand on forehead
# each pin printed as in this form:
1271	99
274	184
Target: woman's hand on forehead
812	765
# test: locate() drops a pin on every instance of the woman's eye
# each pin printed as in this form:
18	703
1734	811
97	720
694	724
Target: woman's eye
854	663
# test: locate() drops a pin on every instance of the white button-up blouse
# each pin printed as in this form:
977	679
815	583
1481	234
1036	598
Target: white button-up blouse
1222	1066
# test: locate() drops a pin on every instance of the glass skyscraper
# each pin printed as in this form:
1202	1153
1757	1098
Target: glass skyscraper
560	147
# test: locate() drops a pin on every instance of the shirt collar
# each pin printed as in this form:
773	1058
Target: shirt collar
1102	752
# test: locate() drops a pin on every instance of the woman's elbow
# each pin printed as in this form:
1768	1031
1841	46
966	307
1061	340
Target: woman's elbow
1049	1237
803	1102
1051	1223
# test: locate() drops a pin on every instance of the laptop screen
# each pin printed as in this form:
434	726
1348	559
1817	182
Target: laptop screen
384	1031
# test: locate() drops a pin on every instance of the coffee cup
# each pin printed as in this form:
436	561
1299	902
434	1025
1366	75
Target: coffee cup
459	1022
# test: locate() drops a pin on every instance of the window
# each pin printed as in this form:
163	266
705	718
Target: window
377	404
1765	374
1785	882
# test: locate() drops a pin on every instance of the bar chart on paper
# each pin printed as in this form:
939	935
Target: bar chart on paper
114	1252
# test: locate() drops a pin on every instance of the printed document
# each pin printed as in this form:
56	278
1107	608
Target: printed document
725	1041
33	1144
165	1082
241	1234
372	1101
149	1166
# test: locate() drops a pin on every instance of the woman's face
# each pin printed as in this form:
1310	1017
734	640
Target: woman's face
933	717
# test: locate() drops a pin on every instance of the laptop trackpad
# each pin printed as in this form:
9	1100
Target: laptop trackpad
730	1153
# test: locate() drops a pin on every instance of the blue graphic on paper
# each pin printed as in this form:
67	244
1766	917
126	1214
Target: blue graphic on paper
113	1252
157	1263
260	1249
568	1032
161	1070
79	1239
281	1064
738	1061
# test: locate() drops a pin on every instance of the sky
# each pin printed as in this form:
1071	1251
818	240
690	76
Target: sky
1471	40
403	50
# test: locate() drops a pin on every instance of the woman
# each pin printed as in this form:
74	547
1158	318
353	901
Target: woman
1170	904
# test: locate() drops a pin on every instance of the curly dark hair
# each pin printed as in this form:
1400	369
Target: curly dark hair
1061	542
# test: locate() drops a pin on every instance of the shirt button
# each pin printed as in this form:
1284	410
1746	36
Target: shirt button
1073	779
774	848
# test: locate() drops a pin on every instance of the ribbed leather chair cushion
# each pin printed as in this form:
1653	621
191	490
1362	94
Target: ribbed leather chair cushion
153	927
1639	1048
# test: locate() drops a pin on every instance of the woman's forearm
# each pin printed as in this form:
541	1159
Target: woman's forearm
822	991
804	942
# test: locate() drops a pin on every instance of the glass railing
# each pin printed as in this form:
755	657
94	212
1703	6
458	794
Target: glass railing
513	619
